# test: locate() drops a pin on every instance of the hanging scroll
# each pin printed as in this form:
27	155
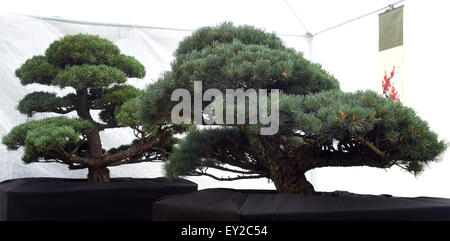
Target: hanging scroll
391	54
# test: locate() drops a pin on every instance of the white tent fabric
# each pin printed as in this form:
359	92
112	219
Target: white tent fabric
349	52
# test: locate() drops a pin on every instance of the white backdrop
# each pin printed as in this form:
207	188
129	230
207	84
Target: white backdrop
349	52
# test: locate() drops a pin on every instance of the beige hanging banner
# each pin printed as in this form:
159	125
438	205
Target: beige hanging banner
390	75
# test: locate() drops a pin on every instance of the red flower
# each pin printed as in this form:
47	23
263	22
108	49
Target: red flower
394	95
386	83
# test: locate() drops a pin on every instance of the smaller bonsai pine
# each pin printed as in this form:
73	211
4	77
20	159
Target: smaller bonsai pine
96	71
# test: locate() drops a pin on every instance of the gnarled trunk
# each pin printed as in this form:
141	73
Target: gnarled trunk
292	184
289	177
100	174
96	172
94	144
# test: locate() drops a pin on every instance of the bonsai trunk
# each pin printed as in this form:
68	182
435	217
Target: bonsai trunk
289	178
100	174
293	184
96	173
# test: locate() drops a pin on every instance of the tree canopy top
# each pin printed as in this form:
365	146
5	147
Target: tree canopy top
80	61
227	33
238	65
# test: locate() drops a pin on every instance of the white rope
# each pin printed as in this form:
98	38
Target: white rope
295	14
354	19
64	20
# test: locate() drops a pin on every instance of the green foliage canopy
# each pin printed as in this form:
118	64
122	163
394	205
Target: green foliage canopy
320	125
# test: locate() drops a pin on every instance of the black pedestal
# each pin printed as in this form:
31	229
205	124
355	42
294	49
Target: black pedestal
260	205
76	199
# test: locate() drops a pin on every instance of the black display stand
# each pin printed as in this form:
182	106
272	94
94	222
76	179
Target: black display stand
261	205
76	199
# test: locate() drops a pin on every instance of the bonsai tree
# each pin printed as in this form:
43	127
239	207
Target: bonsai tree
319	125
96	72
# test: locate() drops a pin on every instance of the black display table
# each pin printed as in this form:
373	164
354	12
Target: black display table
262	205
75	199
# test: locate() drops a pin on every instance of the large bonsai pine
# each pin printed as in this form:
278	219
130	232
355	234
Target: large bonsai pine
95	70
320	126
